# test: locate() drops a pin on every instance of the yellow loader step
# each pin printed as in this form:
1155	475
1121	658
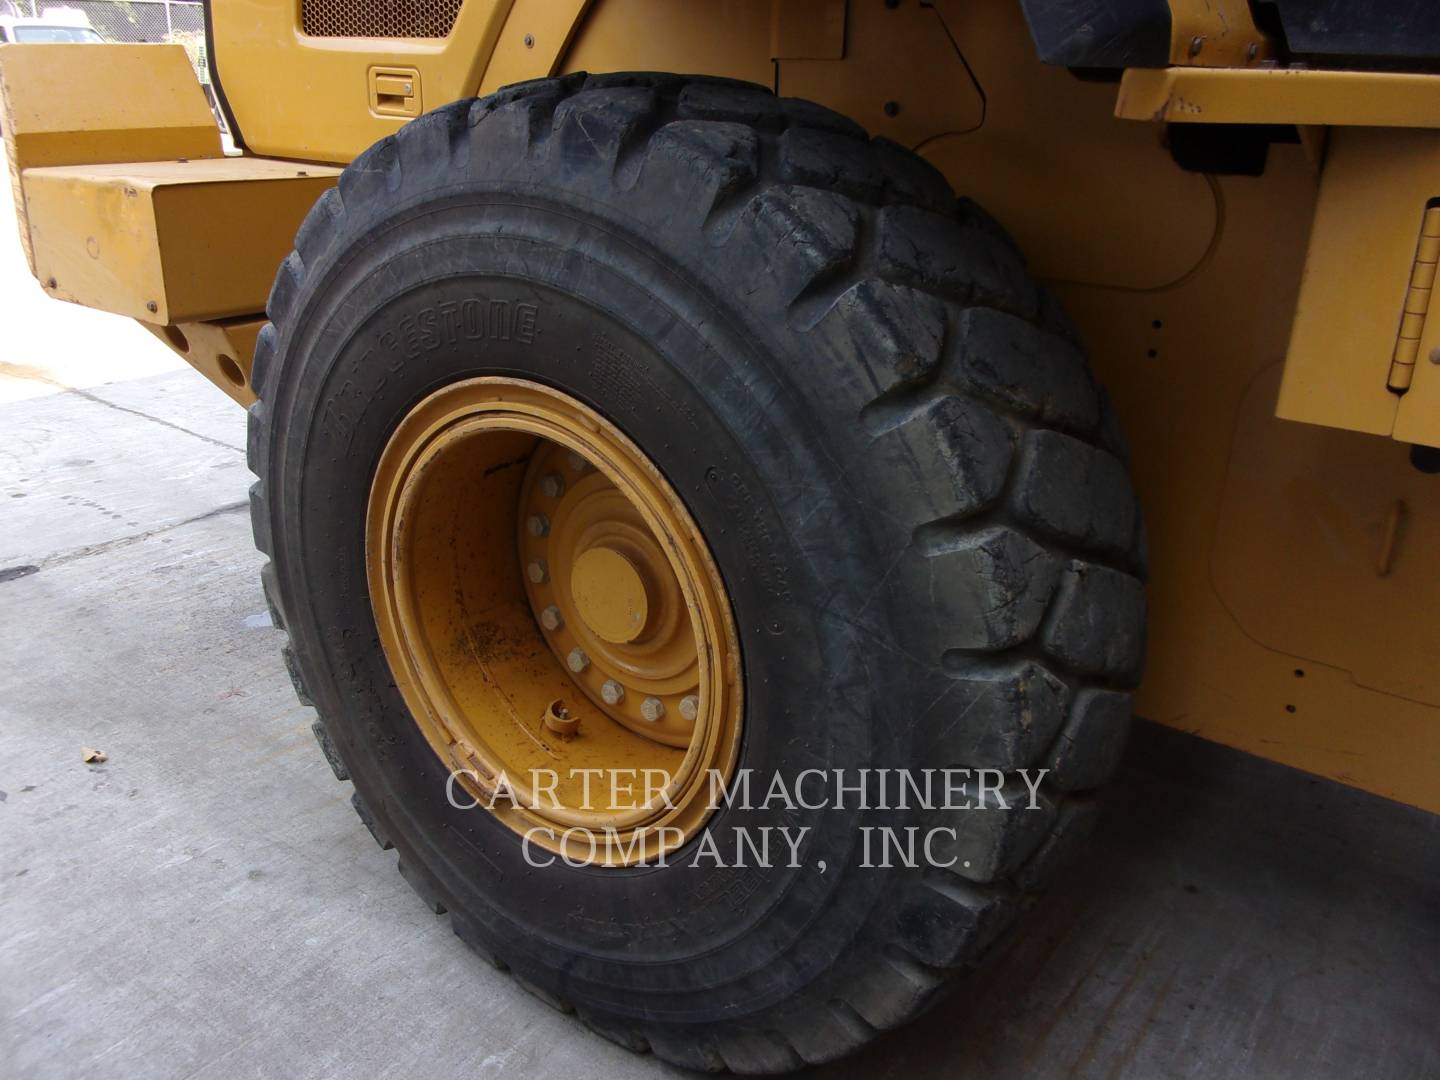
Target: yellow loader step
185	239
168	241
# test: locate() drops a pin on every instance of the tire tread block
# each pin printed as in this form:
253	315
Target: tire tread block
952	360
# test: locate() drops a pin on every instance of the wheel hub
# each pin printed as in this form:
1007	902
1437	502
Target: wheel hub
619	600
610	594
546	603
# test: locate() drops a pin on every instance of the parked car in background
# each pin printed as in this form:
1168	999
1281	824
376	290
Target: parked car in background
50	28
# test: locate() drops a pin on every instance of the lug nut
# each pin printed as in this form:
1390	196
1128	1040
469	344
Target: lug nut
576	461
552	485
690	707
652	709
538	572
577	660
612	693
551	618
538	525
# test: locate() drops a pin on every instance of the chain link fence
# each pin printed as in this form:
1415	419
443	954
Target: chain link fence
181	22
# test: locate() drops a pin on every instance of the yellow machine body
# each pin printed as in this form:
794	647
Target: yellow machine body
127	202
1293	595
184	241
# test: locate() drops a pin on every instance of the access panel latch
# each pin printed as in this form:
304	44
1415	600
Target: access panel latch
395	91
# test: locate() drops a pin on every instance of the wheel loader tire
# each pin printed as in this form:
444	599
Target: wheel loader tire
889	437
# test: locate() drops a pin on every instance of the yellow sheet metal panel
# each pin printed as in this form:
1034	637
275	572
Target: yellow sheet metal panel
93	242
1216	33
81	104
1280	96
934	94
536	35
1323	556
1361	257
729	39
168	242
1193	372
807	29
308	97
221	241
1088	198
221	351
1358	524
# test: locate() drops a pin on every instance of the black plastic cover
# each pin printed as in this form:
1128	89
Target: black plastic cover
1393	32
1100	33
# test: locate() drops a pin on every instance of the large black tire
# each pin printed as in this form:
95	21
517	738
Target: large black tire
913	488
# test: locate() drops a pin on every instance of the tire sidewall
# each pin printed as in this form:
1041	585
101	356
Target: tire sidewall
616	326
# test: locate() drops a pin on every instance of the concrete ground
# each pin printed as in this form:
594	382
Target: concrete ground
205	902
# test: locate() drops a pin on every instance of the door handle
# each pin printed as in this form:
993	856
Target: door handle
395	91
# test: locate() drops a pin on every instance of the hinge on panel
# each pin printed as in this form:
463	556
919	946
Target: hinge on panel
1417	300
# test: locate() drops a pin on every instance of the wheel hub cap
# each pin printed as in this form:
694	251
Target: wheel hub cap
610	594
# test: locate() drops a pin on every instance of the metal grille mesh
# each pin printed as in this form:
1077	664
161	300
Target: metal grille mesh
379	18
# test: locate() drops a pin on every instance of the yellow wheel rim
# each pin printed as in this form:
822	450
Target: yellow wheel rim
553	616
